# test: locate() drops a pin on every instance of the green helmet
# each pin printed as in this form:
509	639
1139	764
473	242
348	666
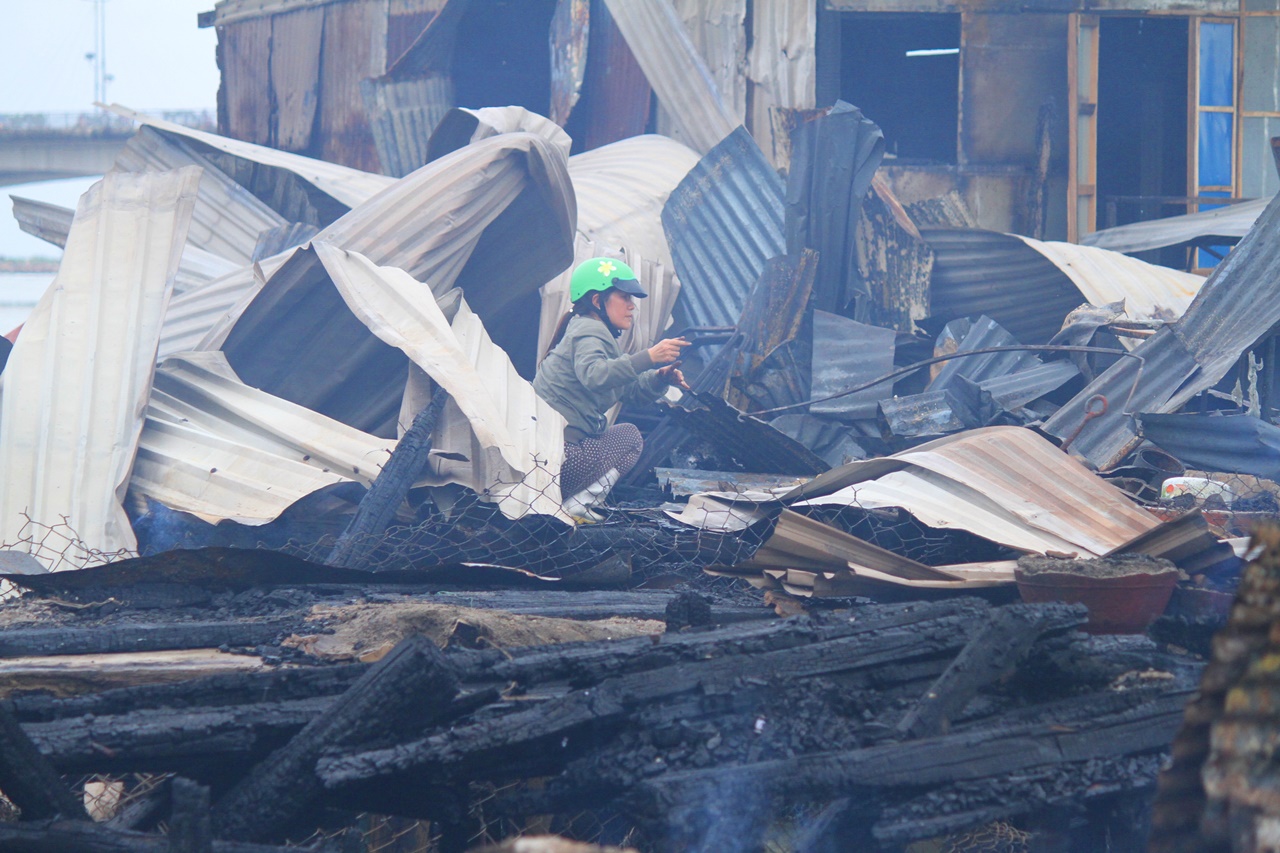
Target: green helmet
601	274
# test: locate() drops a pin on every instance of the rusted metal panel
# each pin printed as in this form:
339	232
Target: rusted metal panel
616	93
1234	309
723	222
1009	66
296	40
355	49
402	115
246	63
235	11
77	381
893	259
675	70
570	34
783	68
717	29
406	19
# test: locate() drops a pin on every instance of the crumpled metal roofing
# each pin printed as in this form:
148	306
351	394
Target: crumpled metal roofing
622	188
1003	483
402	114
495	218
345	185
227	218
52	223
1229	221
849	353
461	127
675	70
1028	286
1234	309
220	449
512	440
77	381
723	222
718	31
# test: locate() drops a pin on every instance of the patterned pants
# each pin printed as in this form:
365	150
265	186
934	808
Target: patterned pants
590	459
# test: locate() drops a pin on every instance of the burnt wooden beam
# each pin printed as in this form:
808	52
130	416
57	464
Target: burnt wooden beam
28	778
189	827
612	700
991	654
412	686
114	639
389	489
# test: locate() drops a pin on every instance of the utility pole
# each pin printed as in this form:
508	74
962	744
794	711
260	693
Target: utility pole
98	56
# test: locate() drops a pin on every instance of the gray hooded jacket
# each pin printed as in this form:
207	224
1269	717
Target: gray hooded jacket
586	373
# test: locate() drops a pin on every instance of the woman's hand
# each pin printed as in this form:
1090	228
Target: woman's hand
667	351
672	376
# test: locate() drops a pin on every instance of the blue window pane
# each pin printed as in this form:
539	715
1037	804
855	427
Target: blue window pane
1204	260
1216	146
1217	64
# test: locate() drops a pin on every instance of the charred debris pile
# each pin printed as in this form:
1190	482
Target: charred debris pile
276	414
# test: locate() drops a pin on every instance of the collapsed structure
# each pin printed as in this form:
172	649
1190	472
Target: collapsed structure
266	390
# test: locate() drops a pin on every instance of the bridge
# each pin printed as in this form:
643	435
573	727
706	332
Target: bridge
53	146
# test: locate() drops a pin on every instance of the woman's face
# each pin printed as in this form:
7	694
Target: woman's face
620	308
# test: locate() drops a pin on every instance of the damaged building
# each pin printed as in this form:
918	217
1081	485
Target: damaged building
955	539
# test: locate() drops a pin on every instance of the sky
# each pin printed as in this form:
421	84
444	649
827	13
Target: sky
158	57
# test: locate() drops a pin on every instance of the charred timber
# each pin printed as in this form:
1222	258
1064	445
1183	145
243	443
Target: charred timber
412	686
28	778
85	837
114	639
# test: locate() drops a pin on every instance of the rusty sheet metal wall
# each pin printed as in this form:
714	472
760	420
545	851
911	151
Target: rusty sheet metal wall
675	70
783	66
893	260
724	221
615	93
355	49
570	34
296	42
244	55
406	21
77	381
717	29
402	115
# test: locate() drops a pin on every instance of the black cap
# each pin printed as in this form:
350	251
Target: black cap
630	286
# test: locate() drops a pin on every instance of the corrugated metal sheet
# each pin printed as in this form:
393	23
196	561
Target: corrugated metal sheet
1003	483
198	268
49	222
512	440
723	222
848	353
402	115
283	238
464	126
236	11
652	313
1238	444
1234	309
494	218
622	189
407	21
296	47
227	219
893	260
674	70
1029	286
349	187
355	49
194	312
78	378
215	447
570	34
1016	390
783	68
751	442
981	334
1231	221
833	160
717	29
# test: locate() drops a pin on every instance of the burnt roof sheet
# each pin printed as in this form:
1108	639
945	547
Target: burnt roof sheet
1238	444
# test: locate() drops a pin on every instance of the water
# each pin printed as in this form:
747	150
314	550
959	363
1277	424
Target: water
19	292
